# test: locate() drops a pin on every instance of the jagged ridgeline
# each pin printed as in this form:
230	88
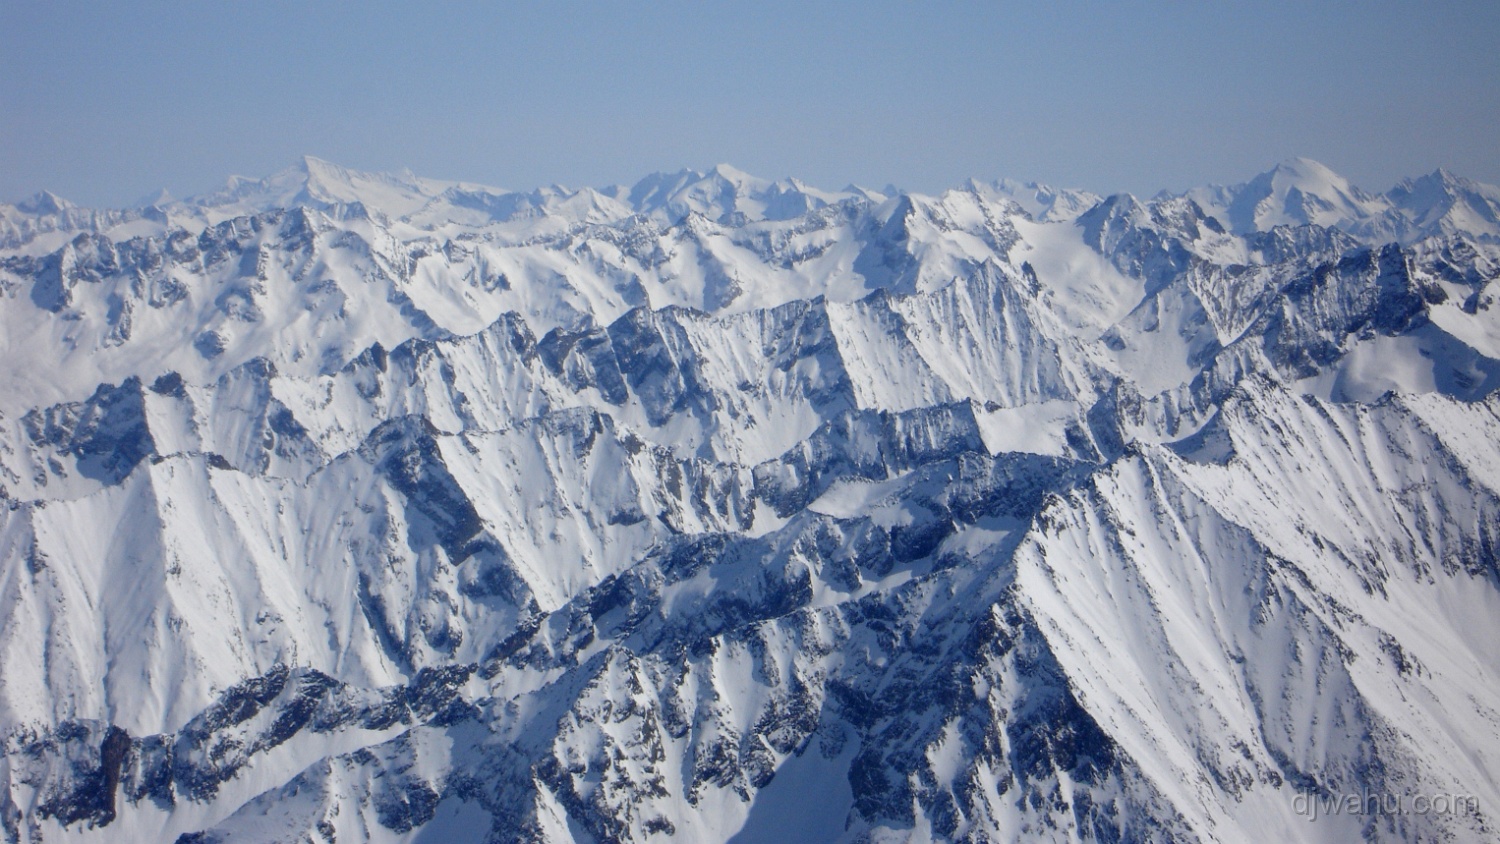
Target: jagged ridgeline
348	507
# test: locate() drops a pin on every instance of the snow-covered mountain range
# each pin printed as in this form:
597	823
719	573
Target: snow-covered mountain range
343	506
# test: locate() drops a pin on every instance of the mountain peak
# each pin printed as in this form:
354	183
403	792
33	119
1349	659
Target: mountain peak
1444	203
317	183
721	191
1302	168
45	202
1296	192
1043	202
160	198
1306	176
316	170
733	174
1443	175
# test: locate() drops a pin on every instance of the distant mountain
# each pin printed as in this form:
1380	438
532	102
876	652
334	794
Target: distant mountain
1302	192
342	506
1043	203
1447	205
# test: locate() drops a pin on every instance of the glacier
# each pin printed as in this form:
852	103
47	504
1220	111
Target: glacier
344	506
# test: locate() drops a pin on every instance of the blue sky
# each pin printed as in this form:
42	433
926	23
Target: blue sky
106	102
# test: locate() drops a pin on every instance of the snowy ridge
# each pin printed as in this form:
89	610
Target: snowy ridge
350	506
1301	192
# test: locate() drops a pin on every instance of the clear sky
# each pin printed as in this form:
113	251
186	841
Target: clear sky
105	102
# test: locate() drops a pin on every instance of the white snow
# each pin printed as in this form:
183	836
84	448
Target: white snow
576	459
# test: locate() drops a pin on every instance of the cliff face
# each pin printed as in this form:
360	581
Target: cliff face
352	507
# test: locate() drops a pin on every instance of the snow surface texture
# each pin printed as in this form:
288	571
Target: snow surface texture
346	506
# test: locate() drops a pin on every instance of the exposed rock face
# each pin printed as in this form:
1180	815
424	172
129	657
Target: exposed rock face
341	506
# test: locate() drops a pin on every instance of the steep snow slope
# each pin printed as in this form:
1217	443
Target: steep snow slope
349	506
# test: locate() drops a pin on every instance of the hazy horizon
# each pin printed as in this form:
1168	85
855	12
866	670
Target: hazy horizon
109	105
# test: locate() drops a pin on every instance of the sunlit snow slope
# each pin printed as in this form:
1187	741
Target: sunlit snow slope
342	506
